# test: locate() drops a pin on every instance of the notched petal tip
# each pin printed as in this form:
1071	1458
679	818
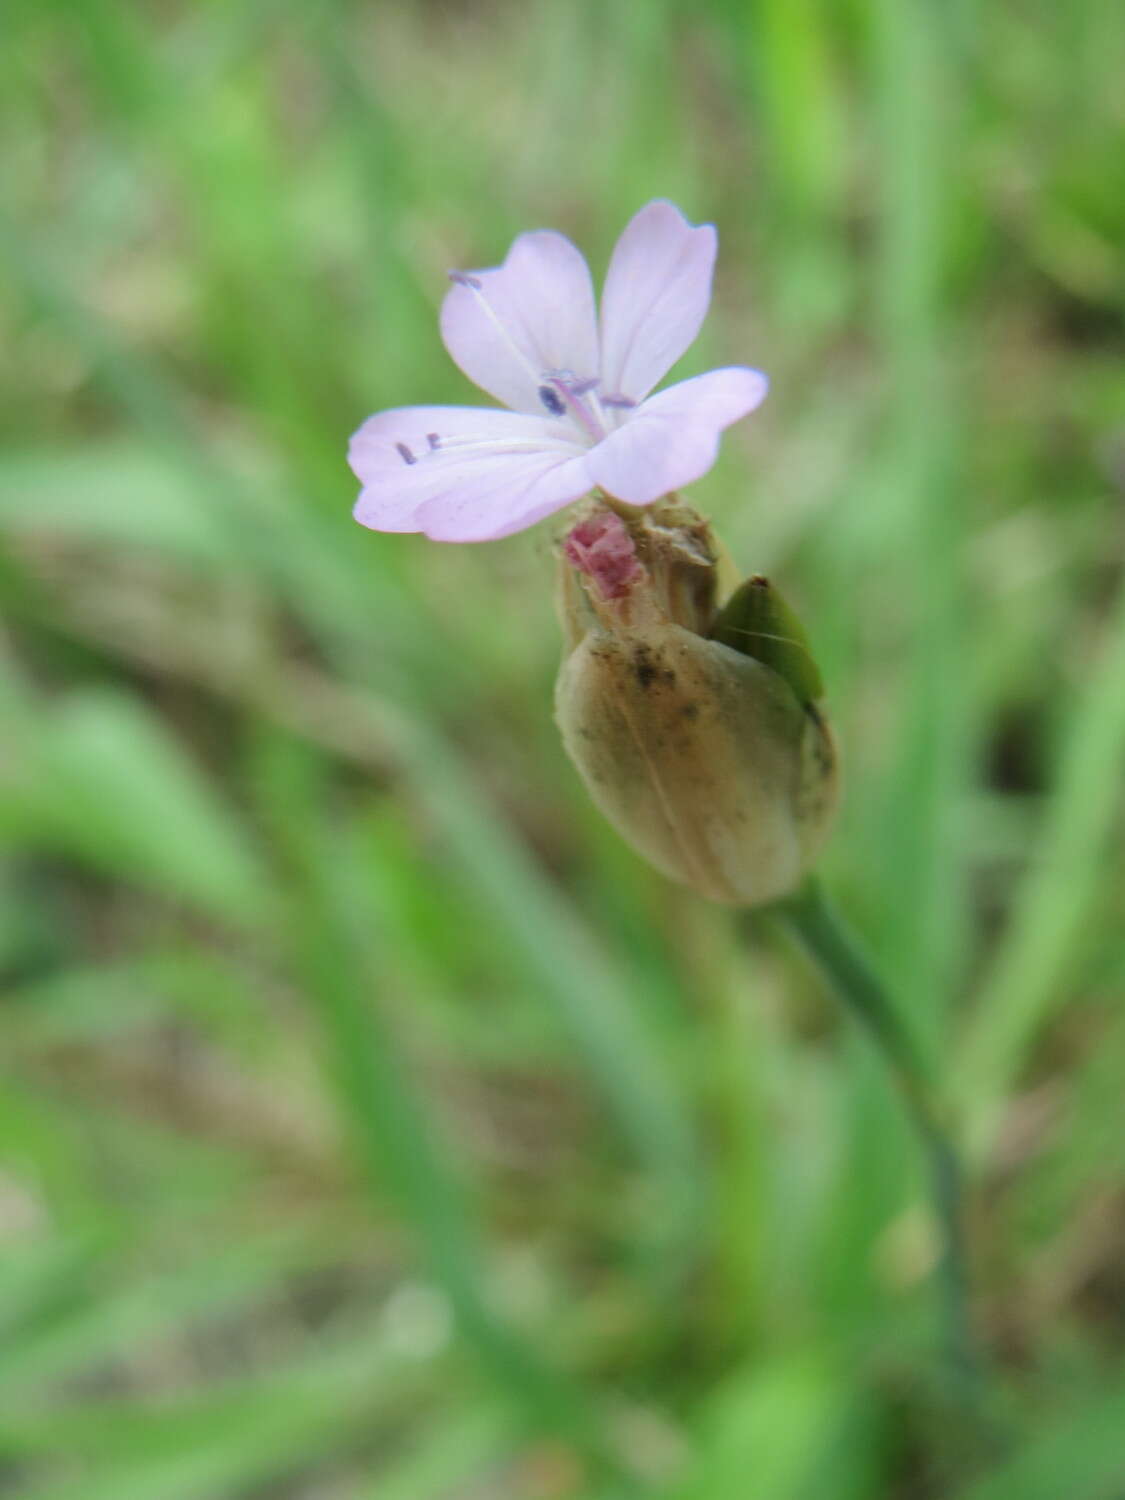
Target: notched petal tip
657	291
663	209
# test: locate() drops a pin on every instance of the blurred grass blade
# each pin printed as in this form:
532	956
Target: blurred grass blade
923	891
1060	892
73	1320
101	779
782	1426
264	526
1080	1456
451	1456
238	1434
334	949
548	943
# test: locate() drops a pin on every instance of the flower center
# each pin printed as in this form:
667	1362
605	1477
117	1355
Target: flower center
564	393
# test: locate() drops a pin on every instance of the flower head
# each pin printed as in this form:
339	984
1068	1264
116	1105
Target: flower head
577	385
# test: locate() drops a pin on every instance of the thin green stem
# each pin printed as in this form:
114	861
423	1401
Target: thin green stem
822	933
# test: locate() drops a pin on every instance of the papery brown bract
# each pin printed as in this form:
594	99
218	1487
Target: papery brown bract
702	757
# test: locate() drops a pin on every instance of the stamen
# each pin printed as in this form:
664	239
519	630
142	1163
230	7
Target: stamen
552	401
625	402
405	454
462	278
434	441
491	447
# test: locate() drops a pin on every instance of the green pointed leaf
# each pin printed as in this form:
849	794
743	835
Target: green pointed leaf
757	621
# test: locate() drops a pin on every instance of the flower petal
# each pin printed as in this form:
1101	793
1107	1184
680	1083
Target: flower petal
673	438
657	292
507	326
463	473
503	497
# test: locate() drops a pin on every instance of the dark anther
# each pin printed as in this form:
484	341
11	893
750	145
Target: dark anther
462	278
623	401
434	441
552	400
405	454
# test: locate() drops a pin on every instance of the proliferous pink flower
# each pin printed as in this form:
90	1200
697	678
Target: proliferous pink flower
581	416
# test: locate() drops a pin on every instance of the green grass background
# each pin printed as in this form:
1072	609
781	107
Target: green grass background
373	1125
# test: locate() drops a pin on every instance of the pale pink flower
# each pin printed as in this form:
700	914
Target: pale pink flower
581	416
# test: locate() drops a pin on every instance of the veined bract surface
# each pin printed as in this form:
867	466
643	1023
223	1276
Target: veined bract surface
703	758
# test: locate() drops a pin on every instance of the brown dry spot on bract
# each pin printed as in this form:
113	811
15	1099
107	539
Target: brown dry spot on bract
644	667
647	669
